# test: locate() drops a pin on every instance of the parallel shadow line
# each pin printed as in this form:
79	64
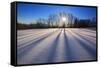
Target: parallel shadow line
90	50
25	49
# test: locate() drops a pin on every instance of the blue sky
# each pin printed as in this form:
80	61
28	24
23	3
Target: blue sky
27	13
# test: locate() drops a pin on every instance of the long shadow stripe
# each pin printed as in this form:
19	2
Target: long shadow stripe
87	30
49	56
29	35
70	56
23	50
84	38
88	35
52	49
90	50
38	38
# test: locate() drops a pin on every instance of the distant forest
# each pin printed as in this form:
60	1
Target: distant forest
40	24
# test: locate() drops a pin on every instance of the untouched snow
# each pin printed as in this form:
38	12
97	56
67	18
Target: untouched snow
55	45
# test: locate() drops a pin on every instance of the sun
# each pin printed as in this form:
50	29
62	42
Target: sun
63	19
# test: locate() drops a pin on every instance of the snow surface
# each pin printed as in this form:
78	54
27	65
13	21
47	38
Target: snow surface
55	45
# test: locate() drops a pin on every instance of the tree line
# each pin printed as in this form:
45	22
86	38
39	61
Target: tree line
77	24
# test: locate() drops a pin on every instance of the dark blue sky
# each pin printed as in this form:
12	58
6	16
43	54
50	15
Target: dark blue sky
27	13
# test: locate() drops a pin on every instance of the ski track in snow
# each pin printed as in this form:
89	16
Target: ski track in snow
55	45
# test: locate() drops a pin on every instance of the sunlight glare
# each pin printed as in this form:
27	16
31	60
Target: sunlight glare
63	19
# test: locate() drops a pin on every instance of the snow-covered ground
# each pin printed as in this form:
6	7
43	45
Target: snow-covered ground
55	45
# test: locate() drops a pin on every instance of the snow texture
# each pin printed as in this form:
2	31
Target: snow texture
55	45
